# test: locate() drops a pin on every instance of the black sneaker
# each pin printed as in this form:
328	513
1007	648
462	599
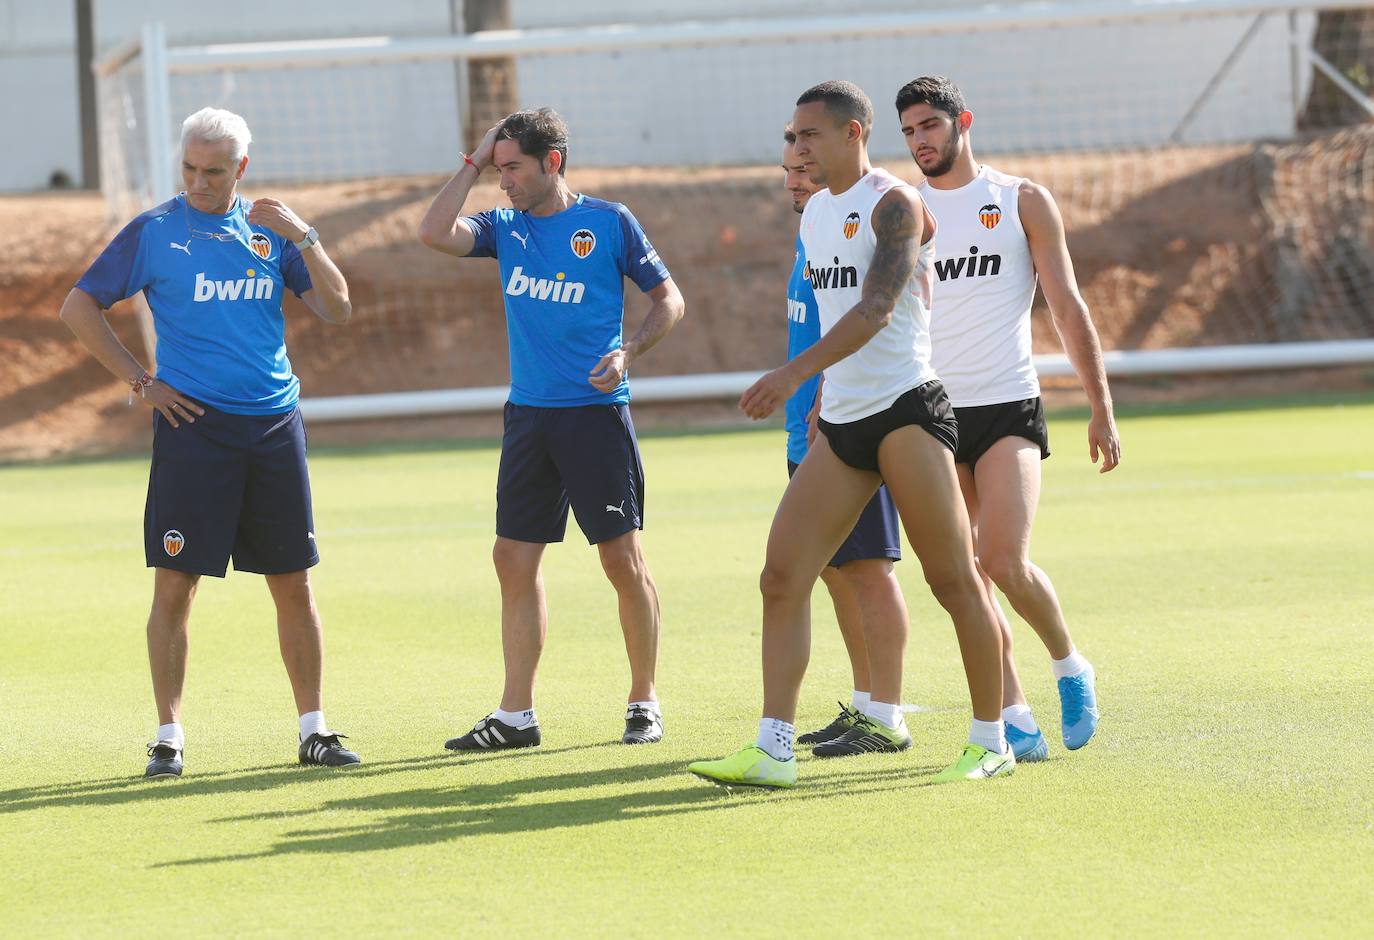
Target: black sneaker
866	736
324	750
491	734
164	761
642	726
830	732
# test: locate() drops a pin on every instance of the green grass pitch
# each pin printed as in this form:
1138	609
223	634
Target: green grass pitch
1222	580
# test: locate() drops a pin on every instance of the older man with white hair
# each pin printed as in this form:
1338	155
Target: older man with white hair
228	477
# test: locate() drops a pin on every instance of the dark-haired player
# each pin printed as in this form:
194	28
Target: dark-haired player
568	435
999	234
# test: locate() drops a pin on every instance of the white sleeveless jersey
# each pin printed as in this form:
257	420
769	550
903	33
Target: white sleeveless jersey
838	237
984	285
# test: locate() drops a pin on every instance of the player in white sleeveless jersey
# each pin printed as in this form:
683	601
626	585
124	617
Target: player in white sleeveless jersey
884	418
999	234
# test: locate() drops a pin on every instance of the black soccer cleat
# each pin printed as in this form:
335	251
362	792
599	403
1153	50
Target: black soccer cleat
830	732
492	734
164	761
866	736
642	726
324	750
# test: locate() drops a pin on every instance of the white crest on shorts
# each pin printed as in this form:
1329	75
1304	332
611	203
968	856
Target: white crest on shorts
173	542
620	509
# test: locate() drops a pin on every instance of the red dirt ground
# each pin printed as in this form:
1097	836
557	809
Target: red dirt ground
1181	248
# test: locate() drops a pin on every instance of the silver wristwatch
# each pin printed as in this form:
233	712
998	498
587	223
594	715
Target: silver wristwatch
311	238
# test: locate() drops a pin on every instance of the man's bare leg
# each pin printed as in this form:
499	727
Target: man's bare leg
300	636
919	472
849	615
622	558
819	508
885	624
1008	485
524	618
169	639
1012	693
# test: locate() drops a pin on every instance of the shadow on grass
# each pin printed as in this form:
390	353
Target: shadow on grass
441	814
114	791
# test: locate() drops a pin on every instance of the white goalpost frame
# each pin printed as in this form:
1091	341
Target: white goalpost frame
159	62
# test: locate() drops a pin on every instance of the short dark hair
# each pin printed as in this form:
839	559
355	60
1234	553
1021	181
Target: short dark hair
789	135
844	100
538	132
935	90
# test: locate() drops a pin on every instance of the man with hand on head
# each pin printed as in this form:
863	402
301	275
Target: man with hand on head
568	439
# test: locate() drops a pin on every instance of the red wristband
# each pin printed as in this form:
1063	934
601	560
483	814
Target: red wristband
139	385
468	161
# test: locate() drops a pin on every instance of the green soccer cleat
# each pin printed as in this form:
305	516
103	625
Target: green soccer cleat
977	763
748	767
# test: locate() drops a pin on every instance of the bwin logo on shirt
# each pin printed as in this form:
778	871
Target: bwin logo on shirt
835	276
554	289
972	266
245	288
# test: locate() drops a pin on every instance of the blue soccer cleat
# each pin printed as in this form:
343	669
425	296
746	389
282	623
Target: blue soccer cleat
1078	700
1026	745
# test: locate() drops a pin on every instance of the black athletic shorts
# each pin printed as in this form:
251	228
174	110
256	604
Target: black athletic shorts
984	425
926	406
877	534
229	486
585	456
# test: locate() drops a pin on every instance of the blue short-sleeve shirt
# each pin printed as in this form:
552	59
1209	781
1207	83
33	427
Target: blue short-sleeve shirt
563	280
803	332
214	284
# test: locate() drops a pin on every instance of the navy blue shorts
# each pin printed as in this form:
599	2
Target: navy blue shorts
229	486
586	456
877	534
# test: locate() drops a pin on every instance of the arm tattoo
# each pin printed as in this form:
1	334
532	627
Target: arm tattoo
897	227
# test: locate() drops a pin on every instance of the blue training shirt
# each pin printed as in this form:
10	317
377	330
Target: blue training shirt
214	284
563	279
803	332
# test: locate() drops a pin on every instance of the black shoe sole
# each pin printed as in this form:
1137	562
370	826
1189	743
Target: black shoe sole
482	750
162	776
883	750
641	740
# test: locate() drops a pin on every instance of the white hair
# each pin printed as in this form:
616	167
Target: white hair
215	124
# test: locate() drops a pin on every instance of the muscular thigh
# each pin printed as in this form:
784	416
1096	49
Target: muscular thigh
919	472
1007	480
822	503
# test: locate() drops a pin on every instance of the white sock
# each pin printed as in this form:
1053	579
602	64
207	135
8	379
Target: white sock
776	737
313	723
859	700
651	705
887	715
989	734
1021	717
1073	664
515	719
172	733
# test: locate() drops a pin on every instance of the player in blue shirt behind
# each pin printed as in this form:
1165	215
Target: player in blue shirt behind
228	477
568	438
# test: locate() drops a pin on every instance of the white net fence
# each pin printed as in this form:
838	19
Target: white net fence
1216	182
